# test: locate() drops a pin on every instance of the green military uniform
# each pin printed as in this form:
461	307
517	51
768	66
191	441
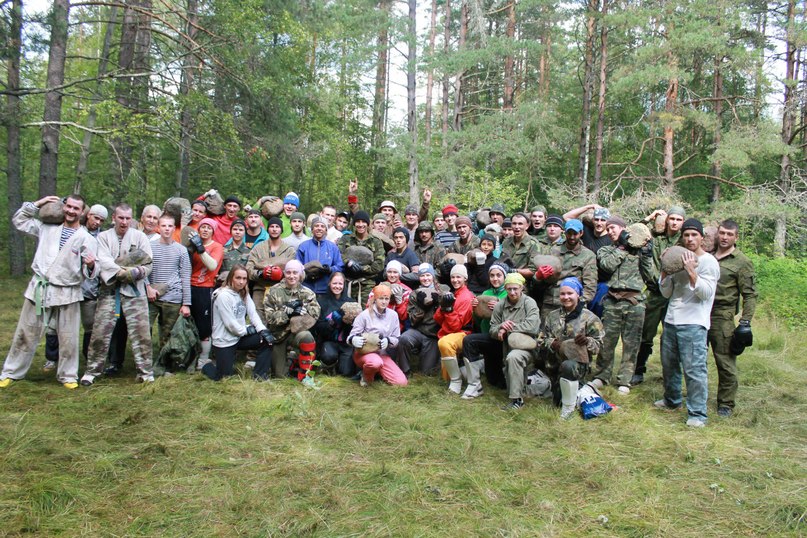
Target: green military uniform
736	282
656	303
278	321
459	248
431	253
526	317
521	253
580	263
623	310
359	287
234	256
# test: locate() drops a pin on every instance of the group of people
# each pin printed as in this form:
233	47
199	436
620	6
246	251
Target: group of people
534	303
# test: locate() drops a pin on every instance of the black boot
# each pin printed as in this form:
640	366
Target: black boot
645	350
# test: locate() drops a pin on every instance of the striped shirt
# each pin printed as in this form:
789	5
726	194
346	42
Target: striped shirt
172	266
67	233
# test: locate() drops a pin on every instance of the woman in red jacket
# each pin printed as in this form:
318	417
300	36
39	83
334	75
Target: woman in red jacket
455	317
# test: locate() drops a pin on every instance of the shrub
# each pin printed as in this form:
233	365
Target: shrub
782	287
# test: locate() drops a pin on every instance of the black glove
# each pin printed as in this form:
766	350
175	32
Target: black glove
196	244
267	337
622	240
447	302
294	307
353	268
251	330
647	250
420	298
299	310
446	266
326	270
743	333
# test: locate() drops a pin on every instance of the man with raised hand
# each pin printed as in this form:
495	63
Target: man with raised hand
64	256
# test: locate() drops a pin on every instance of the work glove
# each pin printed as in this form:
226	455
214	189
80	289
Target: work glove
353	268
555	345
334	318
543	272
622	240
293	308
196	244
480	258
251	330
266	336
397	293
420	298
447	302
357	342
383	343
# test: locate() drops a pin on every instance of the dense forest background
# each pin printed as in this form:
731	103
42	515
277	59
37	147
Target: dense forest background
634	105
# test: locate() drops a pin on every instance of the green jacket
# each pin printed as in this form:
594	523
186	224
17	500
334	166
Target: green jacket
459	248
737	281
523	253
660	244
627	271
525	314
580	263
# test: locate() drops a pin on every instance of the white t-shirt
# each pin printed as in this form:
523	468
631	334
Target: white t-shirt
691	305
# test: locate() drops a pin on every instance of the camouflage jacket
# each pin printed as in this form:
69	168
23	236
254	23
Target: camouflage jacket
558	325
659	244
274	306
458	248
432	253
234	256
523	253
580	263
627	271
376	247
736	281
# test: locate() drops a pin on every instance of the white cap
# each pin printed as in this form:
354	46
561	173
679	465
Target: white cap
388	203
100	211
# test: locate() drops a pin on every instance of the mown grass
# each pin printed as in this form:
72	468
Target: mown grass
188	457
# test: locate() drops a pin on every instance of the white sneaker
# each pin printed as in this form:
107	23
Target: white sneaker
474	390
87	380
693	422
49	366
567	412
623	389
597	383
249	365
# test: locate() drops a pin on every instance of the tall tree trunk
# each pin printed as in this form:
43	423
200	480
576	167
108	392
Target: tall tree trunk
49	155
16	245
717	92
103	62
380	100
430	76
509	74
788	120
446	48
124	95
459	97
601	100
543	62
186	84
411	103
588	87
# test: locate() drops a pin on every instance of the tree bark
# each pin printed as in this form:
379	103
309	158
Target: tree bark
103	62
446	48
49	155
601	100
430	76
16	245
588	87
186	84
717	92
788	120
509	74
411	104
459	97
380	99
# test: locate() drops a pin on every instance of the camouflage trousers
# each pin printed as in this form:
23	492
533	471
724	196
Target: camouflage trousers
167	313
655	310
136	311
65	321
620	318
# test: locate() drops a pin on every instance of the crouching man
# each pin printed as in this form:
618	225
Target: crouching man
515	322
570	336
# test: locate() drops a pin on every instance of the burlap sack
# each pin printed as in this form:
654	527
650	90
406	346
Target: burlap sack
660	224
639	235
521	341
271	206
571	351
384	238
51	213
349	312
185	235
671	259
482	309
180	207
301	323
370	344
483	218
709	243
552	261
215	204
359	254
134	258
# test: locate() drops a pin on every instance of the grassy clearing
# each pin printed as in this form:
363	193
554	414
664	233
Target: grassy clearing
186	457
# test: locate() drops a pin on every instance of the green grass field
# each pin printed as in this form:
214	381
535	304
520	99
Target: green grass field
188	457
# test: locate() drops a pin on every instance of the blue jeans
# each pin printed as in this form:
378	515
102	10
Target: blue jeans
684	347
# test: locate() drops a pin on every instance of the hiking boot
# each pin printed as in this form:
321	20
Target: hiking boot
724	412
624	389
662	404
693	422
5	382
49	366
112	370
637	379
71	385
514	405
473	391
87	380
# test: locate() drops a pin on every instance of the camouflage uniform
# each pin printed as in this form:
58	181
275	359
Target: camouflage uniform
736	282
432	253
360	286
458	248
565	326
117	299
262	256
234	256
580	263
522	253
277	321
623	310
524	313
656	304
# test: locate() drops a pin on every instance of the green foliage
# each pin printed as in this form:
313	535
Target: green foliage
782	286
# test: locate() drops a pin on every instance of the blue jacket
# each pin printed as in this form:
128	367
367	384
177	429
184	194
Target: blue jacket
327	253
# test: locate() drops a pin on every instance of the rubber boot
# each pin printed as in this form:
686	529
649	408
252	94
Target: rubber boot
51	351
453	369
568	397
306	359
204	356
473	370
